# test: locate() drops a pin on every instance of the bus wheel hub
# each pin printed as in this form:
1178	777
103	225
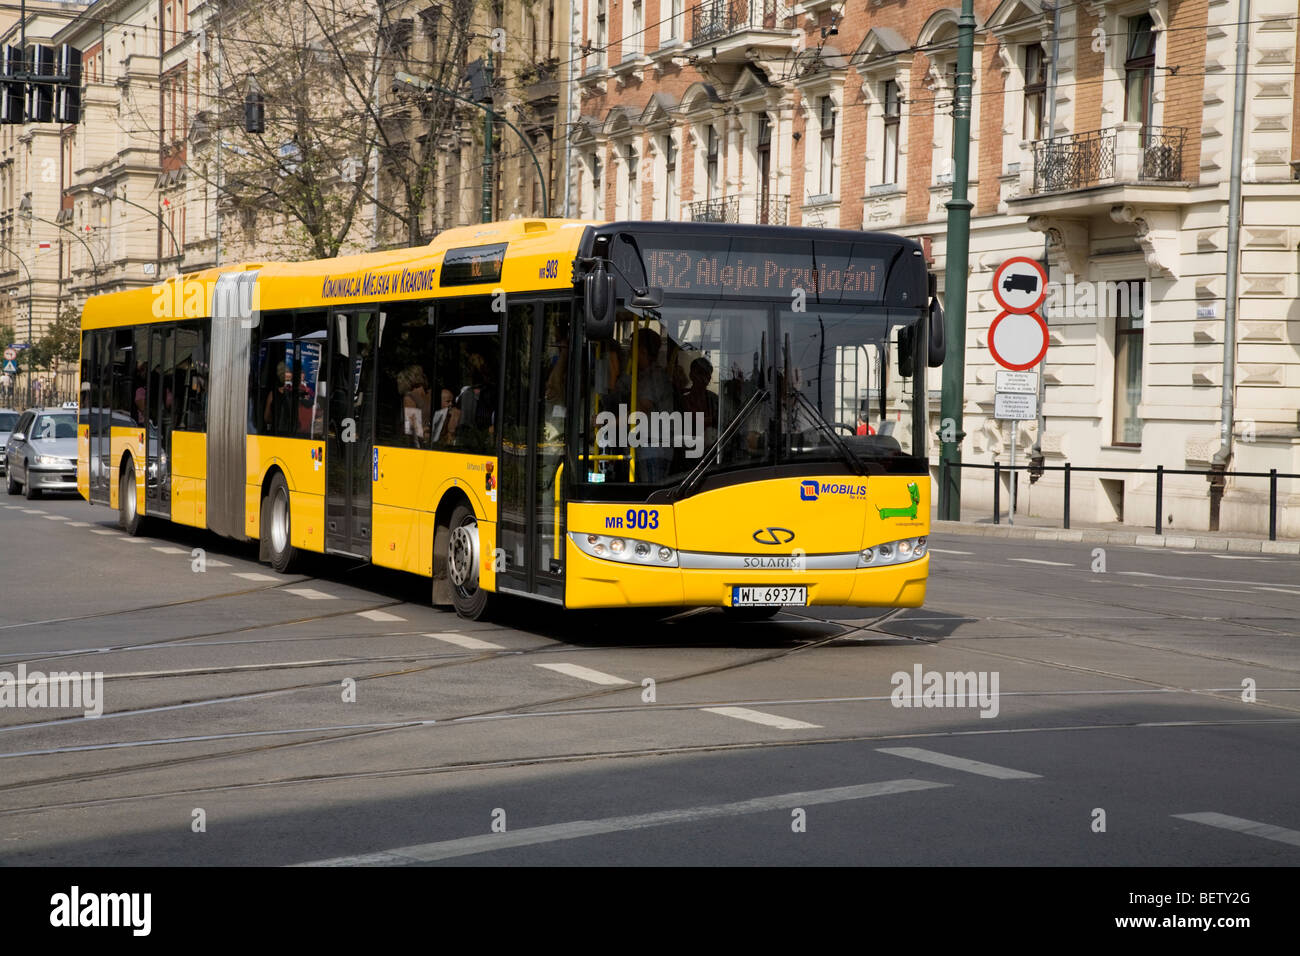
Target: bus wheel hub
462	557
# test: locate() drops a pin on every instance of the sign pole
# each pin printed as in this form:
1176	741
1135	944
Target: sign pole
1011	516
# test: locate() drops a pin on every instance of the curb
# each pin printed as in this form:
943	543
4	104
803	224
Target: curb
1181	542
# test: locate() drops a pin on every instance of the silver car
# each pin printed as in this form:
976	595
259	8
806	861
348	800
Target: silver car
41	454
8	419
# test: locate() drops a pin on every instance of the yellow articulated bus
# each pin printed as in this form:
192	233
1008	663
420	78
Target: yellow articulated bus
589	414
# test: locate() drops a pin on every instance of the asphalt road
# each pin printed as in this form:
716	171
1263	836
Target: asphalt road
1118	735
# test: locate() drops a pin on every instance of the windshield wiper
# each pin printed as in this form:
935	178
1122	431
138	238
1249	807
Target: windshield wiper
823	426
690	481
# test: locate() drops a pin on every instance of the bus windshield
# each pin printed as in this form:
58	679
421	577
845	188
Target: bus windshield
809	385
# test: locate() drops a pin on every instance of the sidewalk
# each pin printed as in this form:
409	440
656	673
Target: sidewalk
1046	529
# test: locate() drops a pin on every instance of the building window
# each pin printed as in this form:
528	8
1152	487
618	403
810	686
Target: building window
633	190
826	181
764	167
893	112
1140	70
673	28
1035	116
632	41
601	34
596	199
670	177
711	167
1128	308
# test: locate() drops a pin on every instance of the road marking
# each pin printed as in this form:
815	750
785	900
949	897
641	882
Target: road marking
946	551
1240	557
170	550
254	576
13	507
78	524
585	673
129	540
55	518
102	531
531	836
758	717
215	564
472	643
32	511
1059	564
1265	830
311	594
379	616
957	763
1264	587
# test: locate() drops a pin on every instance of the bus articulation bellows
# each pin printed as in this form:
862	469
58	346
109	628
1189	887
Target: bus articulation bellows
589	414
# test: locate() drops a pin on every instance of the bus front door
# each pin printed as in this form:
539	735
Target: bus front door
349	441
100	363
530	505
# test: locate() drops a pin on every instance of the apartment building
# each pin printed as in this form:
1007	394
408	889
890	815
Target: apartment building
840	114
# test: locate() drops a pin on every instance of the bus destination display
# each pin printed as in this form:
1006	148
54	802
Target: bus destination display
836	274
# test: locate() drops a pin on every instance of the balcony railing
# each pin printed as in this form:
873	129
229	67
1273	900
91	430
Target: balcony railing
1128	153
716	210
715	19
773	210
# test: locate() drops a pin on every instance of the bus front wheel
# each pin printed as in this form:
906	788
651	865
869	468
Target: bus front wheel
471	600
282	555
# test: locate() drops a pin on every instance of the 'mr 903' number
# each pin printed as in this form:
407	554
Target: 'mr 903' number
642	518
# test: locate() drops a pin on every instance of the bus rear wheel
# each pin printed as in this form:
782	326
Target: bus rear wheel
128	514
472	602
282	555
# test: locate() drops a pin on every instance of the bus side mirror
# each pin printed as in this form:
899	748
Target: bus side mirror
938	346
598	297
906	350
651	298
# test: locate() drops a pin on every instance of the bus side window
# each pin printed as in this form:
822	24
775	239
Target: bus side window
468	367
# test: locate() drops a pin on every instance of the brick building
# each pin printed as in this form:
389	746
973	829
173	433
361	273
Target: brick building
840	114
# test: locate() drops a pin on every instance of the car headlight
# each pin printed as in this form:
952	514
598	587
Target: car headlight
53	461
892	552
624	549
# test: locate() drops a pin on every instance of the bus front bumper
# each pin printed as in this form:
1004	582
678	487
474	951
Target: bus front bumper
593	583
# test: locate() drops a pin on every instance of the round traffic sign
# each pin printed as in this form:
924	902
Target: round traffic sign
1018	341
1020	284
11	354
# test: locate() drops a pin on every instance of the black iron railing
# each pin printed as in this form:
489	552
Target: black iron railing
715	19
1074	161
726	209
773	210
1162	154
1160	471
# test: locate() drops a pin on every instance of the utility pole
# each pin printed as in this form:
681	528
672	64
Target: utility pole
487	144
1036	457
955	273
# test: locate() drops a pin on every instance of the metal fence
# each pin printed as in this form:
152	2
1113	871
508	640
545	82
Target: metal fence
715	19
1074	161
716	210
48	388
1067	469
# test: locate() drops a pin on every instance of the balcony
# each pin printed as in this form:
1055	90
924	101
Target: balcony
1124	163
732	27
772	210
716	210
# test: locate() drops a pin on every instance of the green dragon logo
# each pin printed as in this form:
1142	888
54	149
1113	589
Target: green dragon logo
909	512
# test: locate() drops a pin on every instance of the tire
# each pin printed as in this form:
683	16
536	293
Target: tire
472	602
12	486
30	491
276	527
129	518
742	615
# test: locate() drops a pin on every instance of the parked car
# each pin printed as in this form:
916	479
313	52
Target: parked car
8	419
41	454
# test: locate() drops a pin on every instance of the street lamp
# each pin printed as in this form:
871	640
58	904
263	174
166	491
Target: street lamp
424	86
94	264
101	191
30	309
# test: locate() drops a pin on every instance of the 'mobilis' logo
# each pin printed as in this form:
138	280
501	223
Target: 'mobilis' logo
810	490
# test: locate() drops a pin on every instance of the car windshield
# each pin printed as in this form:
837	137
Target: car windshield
7	421
776	385
48	427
